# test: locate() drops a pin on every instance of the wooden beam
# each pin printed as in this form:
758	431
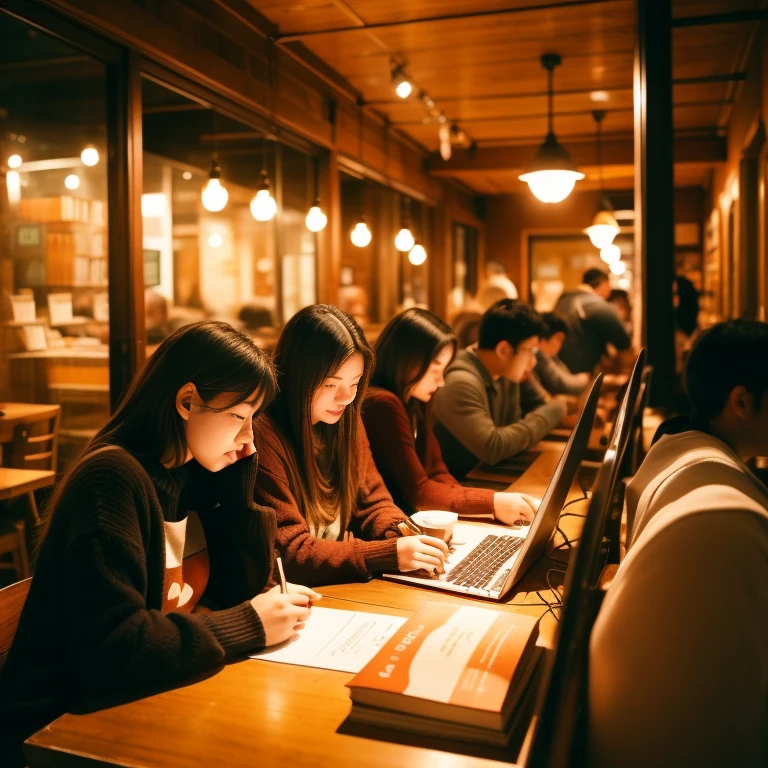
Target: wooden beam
289	37
733	17
689	149
654	194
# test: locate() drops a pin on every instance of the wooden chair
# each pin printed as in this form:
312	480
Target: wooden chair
12	600
13	541
35	447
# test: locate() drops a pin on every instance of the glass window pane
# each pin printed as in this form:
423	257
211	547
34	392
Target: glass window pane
206	263
53	243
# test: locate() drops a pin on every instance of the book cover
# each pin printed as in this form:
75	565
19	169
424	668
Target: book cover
449	662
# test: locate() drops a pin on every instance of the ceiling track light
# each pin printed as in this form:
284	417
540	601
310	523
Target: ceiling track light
402	83
553	174
604	226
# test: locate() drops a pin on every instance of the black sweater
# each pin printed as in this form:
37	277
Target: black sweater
92	624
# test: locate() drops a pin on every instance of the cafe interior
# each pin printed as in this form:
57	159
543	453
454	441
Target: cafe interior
165	162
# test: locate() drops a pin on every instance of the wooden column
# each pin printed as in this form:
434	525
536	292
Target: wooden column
127	335
654	227
329	240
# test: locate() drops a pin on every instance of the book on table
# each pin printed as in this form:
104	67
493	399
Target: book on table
454	671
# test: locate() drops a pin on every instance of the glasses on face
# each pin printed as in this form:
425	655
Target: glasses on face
533	351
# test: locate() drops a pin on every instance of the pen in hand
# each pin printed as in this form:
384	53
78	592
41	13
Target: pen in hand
281	572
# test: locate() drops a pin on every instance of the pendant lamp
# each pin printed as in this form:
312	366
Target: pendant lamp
604	226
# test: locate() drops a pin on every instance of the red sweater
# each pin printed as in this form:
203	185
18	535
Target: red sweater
313	561
413	484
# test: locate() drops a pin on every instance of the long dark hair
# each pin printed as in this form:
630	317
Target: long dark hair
404	351
216	359
314	344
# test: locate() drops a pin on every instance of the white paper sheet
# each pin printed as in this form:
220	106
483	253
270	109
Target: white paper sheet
332	639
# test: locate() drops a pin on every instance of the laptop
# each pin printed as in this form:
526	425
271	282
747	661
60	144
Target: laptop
488	560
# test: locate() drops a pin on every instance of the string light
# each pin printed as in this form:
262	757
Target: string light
72	182
417	255
215	195
361	235
90	156
263	205
316	219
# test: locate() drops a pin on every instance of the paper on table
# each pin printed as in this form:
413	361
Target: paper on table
332	639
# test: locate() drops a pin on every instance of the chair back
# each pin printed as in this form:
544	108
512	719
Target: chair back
36	443
12	601
636	451
559	735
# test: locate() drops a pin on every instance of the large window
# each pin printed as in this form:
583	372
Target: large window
207	258
377	279
53	238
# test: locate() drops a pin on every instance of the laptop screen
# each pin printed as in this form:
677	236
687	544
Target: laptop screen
545	521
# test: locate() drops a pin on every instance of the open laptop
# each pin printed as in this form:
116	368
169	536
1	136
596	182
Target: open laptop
487	560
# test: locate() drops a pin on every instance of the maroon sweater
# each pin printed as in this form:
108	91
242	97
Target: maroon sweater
415	484
313	561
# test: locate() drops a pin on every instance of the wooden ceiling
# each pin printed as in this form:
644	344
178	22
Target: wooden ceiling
478	60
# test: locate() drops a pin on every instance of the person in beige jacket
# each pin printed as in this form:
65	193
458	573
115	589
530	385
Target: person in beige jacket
679	651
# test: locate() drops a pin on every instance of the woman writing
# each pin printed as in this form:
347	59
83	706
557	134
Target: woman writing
335	519
142	526
412	354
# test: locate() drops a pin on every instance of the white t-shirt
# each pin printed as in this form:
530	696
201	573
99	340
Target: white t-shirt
679	652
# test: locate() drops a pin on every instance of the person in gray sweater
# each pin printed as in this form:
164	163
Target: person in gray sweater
490	408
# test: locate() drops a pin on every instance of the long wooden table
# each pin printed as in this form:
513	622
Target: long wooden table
260	713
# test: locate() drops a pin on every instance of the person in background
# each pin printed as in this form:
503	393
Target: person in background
335	518
679	652
497	285
487	411
141	528
620	300
412	354
466	326
552	372
685	299
593	323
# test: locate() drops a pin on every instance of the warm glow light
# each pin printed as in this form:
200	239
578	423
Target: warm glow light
624	283
316	219
214	196
263	206
361	235
551	186
186	175
72	181
90	156
215	240
618	267
610	254
403	89
602	235
14	161
404	240
13	185
418	255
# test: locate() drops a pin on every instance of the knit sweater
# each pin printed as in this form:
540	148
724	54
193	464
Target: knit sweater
92	625
313	561
413	483
678	671
482	419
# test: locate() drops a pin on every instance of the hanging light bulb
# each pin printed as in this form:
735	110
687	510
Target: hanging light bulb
214	194
611	253
553	174
215	240
14	161
316	219
90	156
72	181
403	86
263	205
417	255
618	267
604	226
404	240
361	235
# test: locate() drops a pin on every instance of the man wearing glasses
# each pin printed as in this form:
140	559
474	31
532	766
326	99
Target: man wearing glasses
490	409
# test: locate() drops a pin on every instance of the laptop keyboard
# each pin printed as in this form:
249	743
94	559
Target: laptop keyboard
478	568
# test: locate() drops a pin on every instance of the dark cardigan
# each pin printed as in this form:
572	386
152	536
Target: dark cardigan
92	624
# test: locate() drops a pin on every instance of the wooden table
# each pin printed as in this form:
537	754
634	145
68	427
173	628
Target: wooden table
17	482
261	713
